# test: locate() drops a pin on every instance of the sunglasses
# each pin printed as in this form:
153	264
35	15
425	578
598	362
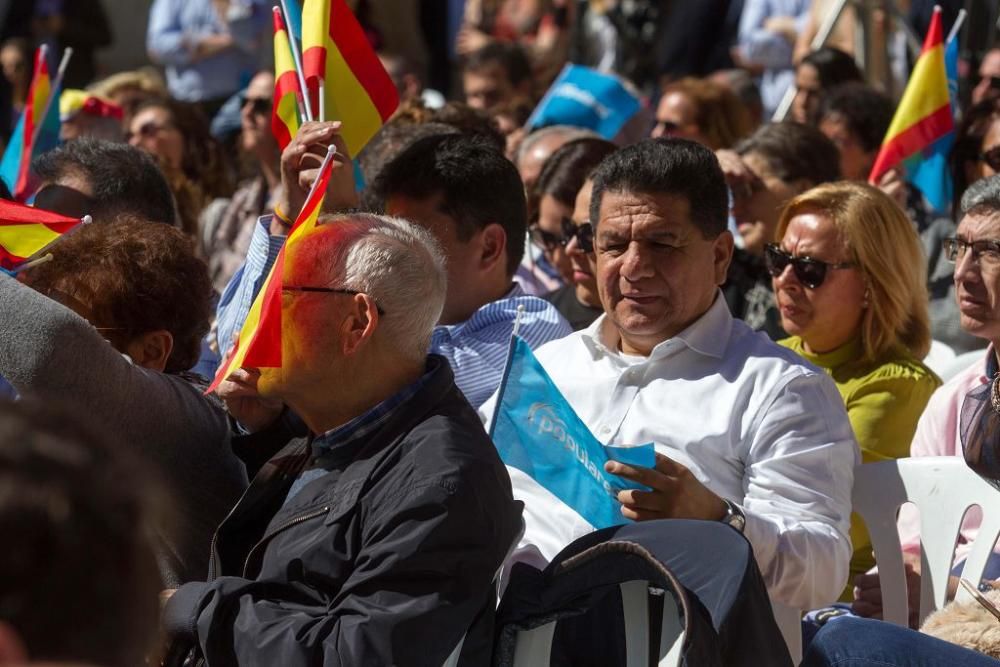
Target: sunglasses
810	272
258	105
991	157
583	233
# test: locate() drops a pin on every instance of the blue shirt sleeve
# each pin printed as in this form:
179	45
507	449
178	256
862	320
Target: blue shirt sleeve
165	36
234	305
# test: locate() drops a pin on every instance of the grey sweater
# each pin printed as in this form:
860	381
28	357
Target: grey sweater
49	352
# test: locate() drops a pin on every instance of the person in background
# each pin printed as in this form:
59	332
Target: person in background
777	162
989	77
83	114
766	40
227	226
742	84
81	586
210	48
494	74
558	186
850	286
131	89
111	325
817	73
17	63
855	117
510	118
701	110
176	135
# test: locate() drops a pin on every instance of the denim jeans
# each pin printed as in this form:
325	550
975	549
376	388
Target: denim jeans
862	642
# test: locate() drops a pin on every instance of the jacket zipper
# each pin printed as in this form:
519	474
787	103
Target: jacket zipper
288	524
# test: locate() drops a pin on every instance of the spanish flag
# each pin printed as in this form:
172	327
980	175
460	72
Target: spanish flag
336	54
258	344
37	131
284	111
923	128
25	231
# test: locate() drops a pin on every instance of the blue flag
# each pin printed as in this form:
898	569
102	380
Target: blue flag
584	97
48	138
928	170
537	432
294	18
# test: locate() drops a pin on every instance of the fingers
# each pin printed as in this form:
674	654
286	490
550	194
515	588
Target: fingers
639	514
645	476
641	500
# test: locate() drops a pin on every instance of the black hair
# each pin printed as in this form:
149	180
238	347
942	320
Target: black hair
866	112
833	66
567	169
668	166
794	151
511	57
78	580
123	178
976	123
478	184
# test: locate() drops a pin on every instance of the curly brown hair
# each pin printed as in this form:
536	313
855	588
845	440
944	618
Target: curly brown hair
136	277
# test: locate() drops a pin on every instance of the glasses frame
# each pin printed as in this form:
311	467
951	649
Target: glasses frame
258	105
800	265
583	233
327	290
955	247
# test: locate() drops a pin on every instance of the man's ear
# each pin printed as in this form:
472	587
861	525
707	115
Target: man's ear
12	649
151	350
722	250
493	247
359	324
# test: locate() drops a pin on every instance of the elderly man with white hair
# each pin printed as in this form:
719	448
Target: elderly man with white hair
375	540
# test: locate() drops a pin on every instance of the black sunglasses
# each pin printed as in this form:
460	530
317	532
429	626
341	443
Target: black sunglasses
258	105
583	233
991	157
810	272
326	290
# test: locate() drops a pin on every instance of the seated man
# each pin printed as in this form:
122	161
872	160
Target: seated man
469	196
376	540
745	431
977	289
78	581
114	321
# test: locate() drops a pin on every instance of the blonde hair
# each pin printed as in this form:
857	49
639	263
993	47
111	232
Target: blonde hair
146	79
882	242
719	114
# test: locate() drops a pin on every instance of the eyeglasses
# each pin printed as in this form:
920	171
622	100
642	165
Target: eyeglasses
147	131
669	126
991	157
583	233
326	290
810	272
986	252
258	105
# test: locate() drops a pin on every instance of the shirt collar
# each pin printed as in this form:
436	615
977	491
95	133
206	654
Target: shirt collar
708	335
488	313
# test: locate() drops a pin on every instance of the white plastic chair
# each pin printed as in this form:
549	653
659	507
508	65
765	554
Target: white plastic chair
943	488
534	647
940	357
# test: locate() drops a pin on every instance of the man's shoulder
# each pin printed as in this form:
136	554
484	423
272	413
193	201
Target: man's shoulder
755	352
955	389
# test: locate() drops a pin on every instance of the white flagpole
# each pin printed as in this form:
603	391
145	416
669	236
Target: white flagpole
959	20
53	91
296	55
331	150
322	100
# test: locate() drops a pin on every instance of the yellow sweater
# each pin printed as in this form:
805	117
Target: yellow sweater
884	400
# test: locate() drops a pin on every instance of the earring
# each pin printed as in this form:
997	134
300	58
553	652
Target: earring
864	302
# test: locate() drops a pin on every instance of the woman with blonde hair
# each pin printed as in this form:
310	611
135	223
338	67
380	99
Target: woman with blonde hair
849	280
703	111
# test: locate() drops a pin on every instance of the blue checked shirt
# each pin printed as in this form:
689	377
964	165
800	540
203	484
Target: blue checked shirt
476	348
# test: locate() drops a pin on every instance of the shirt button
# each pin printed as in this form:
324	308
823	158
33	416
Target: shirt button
606	430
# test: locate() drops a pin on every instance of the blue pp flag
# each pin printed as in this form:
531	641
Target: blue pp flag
536	431
584	97
48	138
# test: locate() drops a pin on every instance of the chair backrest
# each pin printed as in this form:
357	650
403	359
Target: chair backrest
534	647
942	488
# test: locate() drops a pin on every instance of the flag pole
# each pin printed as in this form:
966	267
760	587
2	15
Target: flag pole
331	150
959	20
296	56
35	262
322	100
53	92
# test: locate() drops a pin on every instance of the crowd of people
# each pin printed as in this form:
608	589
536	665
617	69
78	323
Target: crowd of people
719	279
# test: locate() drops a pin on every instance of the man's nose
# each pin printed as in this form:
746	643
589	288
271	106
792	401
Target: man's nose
637	262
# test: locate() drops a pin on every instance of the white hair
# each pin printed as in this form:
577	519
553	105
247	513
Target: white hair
402	267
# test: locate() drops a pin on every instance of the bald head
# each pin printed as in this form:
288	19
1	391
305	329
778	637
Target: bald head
539	146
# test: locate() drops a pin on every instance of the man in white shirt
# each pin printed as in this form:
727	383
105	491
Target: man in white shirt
745	431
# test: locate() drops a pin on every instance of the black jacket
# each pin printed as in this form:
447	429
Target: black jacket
386	559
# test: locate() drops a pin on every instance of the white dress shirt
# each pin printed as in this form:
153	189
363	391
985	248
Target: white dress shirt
753	422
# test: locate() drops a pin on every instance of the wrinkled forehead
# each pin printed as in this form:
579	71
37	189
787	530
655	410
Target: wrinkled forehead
312	258
980	225
634	213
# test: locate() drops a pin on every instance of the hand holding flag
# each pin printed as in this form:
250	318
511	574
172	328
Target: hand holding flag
300	165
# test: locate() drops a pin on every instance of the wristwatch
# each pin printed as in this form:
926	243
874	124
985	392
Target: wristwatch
734	516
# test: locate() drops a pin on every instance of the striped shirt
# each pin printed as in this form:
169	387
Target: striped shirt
476	348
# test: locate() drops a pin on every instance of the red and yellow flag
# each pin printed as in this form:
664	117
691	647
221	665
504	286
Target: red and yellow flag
357	89
26	230
284	111
258	344
923	126
34	108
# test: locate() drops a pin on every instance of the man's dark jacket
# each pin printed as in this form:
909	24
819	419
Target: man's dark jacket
386	559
